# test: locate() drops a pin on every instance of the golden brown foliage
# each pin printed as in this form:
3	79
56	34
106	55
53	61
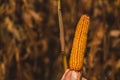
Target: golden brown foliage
29	38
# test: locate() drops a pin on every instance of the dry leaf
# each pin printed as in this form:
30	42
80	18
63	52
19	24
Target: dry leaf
11	28
115	33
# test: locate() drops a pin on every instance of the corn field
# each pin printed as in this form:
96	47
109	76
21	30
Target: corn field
30	41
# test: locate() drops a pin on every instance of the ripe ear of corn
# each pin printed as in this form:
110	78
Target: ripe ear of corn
79	43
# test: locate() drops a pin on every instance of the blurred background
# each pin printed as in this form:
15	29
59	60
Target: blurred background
30	45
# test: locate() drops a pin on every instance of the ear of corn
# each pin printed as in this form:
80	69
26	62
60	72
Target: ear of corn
79	43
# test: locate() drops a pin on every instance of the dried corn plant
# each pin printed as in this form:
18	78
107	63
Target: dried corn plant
29	38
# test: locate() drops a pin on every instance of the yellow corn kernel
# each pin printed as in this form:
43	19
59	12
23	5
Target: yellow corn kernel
79	43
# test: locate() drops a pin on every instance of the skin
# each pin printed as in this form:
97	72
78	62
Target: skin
72	75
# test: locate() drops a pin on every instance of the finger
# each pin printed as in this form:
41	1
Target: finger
84	78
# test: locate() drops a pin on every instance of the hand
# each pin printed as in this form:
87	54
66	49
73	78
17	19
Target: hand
72	75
